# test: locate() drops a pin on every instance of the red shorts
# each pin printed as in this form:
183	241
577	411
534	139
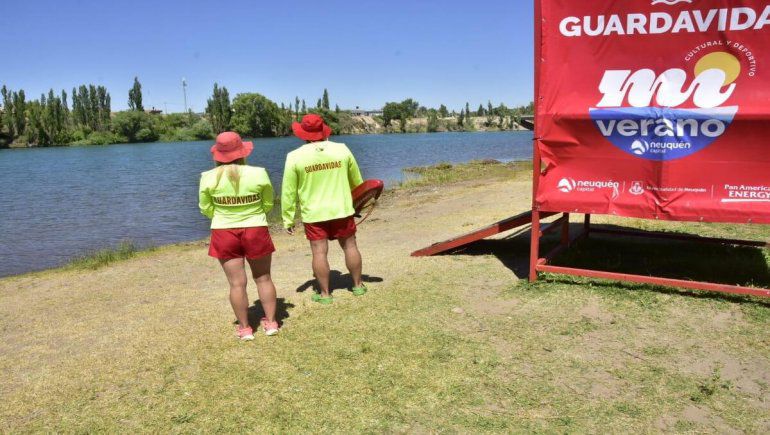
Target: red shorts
331	230
251	243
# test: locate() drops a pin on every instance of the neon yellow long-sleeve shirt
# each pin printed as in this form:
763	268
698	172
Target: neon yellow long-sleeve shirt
321	176
228	207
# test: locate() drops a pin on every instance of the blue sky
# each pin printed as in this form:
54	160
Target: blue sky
365	52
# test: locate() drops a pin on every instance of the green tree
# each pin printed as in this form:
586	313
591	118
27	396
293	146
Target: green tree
254	115
19	113
480	111
34	115
337	109
135	126
105	109
135	96
325	100
296	108
7	114
402	111
443	112
304	107
467	111
432	121
219	110
461	118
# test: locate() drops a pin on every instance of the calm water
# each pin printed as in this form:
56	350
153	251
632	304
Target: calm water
63	202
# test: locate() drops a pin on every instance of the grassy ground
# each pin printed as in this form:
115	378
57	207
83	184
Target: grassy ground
456	343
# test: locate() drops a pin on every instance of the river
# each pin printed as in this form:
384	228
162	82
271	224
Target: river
60	203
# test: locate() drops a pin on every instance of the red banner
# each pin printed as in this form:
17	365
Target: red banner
656	109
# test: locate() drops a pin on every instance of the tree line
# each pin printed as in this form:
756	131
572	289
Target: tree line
89	120
498	117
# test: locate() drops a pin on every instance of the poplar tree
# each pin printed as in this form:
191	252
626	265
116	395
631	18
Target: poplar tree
103	104
135	96
304	107
296	107
219	110
325	102
8	110
19	113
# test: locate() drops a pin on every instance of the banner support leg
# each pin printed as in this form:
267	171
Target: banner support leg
534	248
565	231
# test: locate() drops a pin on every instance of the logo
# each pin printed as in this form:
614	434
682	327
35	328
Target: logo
567	185
670	115
637	188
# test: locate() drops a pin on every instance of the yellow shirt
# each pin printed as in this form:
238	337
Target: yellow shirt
228	207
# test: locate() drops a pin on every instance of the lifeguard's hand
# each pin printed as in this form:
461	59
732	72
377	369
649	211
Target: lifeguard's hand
290	231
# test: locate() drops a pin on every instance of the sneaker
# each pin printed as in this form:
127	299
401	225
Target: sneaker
245	334
359	291
271	328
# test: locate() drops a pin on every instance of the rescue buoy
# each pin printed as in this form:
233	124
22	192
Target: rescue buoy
365	198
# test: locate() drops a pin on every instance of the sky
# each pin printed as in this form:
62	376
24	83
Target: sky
366	52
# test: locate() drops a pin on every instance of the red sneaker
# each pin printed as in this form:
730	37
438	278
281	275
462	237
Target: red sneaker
245	334
271	328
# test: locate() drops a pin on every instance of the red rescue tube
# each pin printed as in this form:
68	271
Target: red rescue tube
365	198
365	192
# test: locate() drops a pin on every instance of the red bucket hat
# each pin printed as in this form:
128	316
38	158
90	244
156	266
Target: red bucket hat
312	127
230	147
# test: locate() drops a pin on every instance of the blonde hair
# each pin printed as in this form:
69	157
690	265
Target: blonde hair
233	170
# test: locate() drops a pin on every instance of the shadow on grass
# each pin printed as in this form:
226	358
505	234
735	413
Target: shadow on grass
337	281
687	260
256	312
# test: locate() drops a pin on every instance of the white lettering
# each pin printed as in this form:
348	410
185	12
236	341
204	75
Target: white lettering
763	20
570	26
704	24
614	26
636	23
684	22
642	86
724	19
738	13
660	23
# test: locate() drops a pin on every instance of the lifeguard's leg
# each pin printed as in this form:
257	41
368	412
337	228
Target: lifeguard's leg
260	270
353	259
320	249
236	276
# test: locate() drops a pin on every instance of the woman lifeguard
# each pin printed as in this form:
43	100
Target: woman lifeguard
237	197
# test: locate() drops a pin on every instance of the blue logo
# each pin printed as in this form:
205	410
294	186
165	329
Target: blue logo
661	134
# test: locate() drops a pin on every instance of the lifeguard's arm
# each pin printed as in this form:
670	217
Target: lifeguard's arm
354	173
289	195
205	204
267	194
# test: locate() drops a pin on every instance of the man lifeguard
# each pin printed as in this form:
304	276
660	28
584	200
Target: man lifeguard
321	175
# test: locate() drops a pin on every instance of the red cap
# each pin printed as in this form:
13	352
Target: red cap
230	147
312	127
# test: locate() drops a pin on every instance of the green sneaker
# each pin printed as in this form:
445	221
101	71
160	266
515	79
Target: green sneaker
322	300
360	291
